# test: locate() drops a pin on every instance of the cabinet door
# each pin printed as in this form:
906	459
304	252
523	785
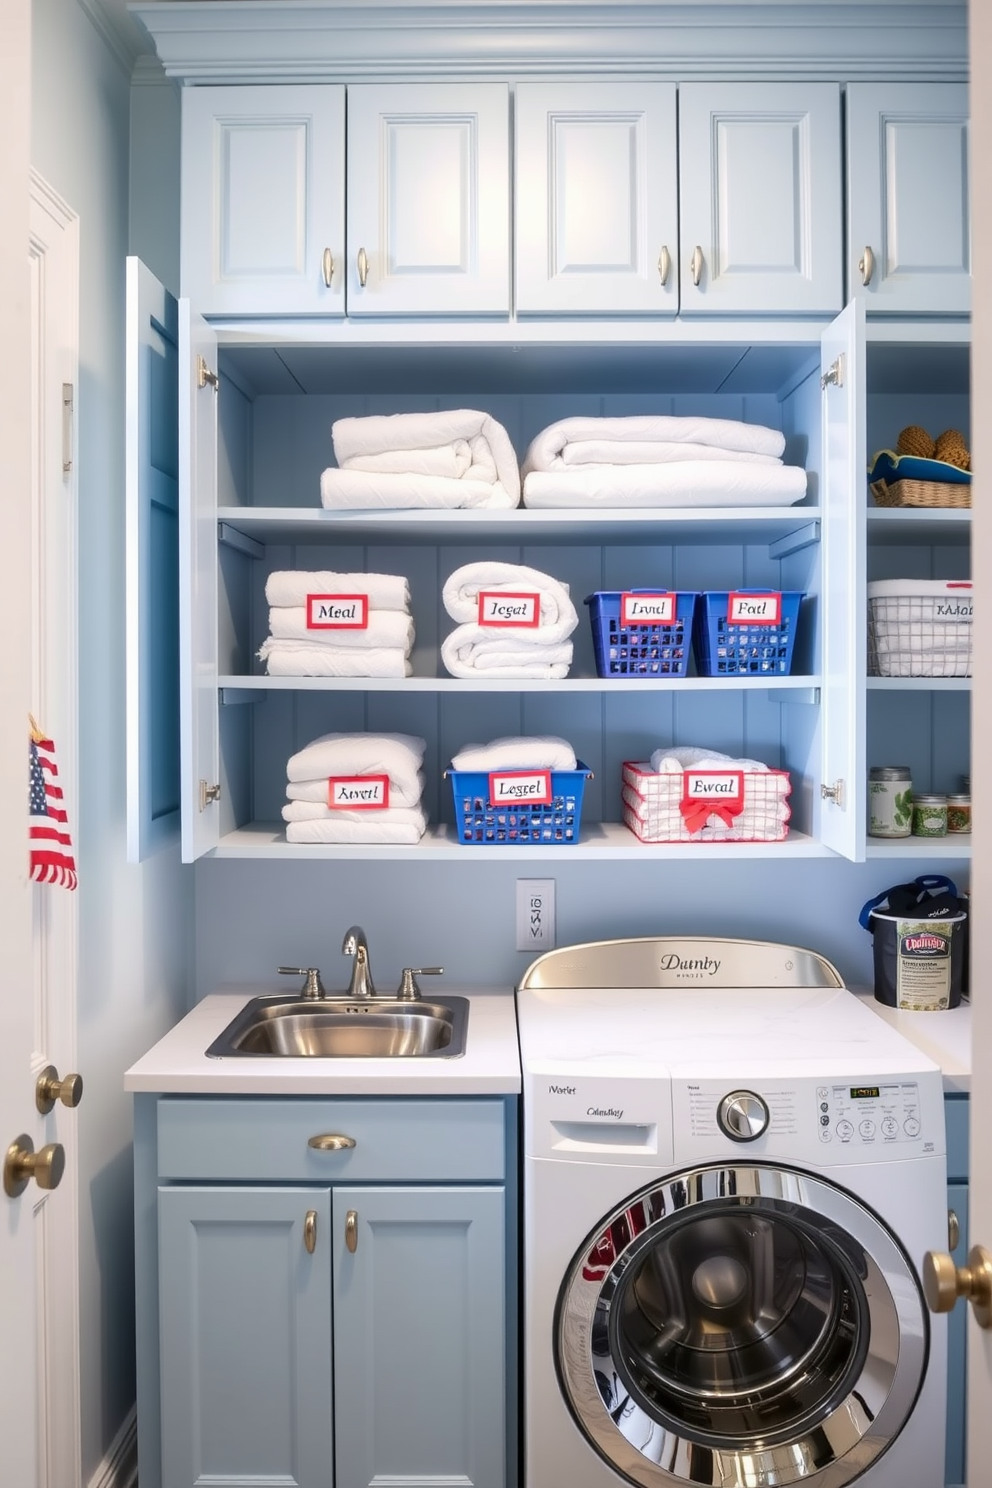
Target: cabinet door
760	198
428	199
419	1351
199	389
842	617
907	181
263	200
152	546
596	218
245	1316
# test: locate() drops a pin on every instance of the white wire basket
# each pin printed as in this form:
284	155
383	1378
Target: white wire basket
919	628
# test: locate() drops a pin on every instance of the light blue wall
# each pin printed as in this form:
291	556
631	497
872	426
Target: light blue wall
133	921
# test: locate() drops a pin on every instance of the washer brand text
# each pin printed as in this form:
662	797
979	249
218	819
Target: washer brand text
598	1111
697	965
561	1089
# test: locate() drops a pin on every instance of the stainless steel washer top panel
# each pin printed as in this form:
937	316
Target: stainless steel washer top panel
680	961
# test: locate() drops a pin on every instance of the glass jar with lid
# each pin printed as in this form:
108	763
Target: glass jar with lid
890	801
929	816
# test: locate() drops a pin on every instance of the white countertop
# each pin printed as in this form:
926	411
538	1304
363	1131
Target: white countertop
943	1037
178	1065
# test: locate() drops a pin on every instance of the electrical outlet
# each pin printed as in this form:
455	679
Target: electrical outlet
535	914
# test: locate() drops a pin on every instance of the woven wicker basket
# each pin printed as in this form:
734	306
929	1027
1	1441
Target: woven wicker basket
920	493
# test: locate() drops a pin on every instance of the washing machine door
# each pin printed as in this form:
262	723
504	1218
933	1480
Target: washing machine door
741	1326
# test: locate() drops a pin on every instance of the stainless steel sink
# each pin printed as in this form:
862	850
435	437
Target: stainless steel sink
380	1028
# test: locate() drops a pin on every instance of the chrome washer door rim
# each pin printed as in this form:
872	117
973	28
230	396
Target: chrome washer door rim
650	1451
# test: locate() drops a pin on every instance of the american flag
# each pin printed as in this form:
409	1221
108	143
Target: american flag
48	825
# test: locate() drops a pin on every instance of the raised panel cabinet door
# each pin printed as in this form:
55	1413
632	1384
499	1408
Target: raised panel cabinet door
420	1381
760	199
245	1320
428	199
909	241
262	226
596	199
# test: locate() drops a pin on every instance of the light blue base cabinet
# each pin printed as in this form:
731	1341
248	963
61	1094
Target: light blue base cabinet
332	1330
956	1114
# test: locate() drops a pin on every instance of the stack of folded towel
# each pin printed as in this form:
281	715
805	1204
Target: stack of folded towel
448	459
497	604
337	625
659	461
656	810
546	752
382	770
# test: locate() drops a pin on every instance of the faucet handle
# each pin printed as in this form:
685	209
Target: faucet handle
408	989
313	988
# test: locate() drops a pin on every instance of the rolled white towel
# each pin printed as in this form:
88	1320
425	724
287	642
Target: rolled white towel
410	816
686	483
402	793
546	450
691	757
399	756
449	458
471	649
542	752
370	832
385	628
461	591
291	587
317	659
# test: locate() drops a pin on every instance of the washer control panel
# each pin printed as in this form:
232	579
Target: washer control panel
863	1115
742	1116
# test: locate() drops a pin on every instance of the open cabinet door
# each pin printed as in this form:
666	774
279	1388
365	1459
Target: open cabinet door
198	396
152	564
842	502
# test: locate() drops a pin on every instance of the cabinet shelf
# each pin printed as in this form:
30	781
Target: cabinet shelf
567	685
918	684
958	845
919	525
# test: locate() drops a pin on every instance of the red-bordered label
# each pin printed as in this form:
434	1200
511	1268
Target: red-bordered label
499	607
358	792
337	612
520	788
754	609
647	609
707	793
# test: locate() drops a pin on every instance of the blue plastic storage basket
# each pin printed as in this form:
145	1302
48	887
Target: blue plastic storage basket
477	822
744	649
653	650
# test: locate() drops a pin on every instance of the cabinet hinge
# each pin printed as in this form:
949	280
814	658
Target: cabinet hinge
67	407
204	376
208	793
834	793
834	374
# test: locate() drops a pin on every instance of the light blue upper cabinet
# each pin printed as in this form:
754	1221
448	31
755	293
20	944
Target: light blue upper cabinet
263	200
596	200
760	198
909	244
428	199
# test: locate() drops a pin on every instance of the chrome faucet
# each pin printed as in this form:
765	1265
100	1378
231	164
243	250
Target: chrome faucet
355	944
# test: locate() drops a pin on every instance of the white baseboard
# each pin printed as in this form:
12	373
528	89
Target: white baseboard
119	1466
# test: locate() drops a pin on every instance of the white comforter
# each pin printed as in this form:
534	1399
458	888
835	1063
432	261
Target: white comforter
450	458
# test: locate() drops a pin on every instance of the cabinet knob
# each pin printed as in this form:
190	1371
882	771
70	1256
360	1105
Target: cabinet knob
664	264
327	266
49	1088
22	1164
351	1230
696	264
866	263
944	1283
331	1142
363	267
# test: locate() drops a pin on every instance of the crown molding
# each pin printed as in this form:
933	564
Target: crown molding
228	41
124	38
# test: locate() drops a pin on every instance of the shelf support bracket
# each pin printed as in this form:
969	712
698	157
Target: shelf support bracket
232	697
807	697
794	542
232	538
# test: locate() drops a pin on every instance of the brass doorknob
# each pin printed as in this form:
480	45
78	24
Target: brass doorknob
944	1283
49	1088
22	1164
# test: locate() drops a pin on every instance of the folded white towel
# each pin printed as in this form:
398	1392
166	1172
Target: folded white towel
680	757
547	448
317	659
544	752
385	628
461	591
291	587
686	483
402	793
643	452
451	458
399	756
409	816
353	831
471	649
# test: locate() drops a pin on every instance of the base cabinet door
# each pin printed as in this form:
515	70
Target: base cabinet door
245	1319
419	1371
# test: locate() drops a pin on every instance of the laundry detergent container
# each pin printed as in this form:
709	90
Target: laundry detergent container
918	942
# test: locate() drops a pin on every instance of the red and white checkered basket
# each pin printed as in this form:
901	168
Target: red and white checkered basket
706	804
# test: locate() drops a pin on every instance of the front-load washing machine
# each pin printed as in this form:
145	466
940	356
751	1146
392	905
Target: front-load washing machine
732	1170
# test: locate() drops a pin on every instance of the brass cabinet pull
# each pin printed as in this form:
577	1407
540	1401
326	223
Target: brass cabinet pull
310	1231
327	266
49	1088
866	263
696	264
664	264
953	1230
331	1142
944	1283
22	1164
351	1230
363	267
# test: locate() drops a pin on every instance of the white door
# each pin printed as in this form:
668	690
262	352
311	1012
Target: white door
429	199
760	202
596	194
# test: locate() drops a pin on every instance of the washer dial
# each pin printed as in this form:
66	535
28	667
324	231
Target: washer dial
742	1116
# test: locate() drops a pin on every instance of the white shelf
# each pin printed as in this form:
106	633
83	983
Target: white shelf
923	525
957	845
517	684
918	684
600	842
